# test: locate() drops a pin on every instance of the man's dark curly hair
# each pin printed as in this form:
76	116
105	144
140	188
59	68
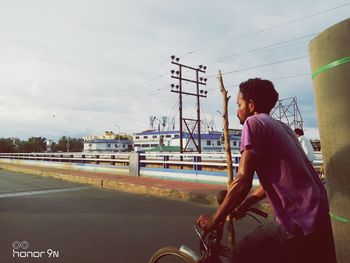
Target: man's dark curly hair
261	92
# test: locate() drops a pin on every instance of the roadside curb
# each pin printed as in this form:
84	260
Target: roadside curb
160	192
163	192
121	186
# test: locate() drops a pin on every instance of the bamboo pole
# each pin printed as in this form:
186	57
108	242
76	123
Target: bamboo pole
226	98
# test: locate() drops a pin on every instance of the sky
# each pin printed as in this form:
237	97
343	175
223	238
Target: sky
81	67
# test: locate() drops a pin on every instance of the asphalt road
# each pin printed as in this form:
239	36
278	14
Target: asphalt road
63	222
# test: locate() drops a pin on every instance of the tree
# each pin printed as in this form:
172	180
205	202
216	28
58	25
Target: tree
7	145
67	143
34	144
76	144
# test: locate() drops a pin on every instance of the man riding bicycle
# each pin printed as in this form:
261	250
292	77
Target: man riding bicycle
302	232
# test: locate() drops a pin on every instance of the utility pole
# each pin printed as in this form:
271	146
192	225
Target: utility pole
198	81
67	144
160	140
118	137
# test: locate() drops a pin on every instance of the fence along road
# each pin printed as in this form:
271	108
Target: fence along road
205	167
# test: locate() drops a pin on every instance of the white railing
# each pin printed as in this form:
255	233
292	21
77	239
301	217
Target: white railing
198	161
72	157
195	161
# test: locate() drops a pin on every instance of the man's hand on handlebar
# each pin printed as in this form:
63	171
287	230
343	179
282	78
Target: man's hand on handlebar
205	222
246	205
239	213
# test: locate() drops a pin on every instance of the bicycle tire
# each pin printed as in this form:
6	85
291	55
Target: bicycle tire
171	255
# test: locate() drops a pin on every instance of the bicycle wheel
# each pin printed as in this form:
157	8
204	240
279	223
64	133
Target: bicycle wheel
171	255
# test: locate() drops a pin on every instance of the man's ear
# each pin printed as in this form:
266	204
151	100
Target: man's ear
251	106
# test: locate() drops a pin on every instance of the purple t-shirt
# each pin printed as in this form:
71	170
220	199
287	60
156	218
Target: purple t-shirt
290	182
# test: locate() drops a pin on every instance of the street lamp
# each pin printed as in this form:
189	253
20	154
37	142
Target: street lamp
89	131
89	139
68	144
118	136
160	142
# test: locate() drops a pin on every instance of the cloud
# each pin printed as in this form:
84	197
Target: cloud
93	64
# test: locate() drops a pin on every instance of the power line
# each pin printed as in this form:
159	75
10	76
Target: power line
233	55
258	49
266	47
272	79
268	29
291	76
278	44
134	98
261	66
172	112
246	52
129	88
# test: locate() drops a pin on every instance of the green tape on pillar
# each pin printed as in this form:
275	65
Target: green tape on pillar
331	65
339	218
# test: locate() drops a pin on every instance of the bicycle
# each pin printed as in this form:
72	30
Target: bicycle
211	248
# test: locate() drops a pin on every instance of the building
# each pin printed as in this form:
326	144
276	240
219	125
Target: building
235	132
107	143
210	142
149	139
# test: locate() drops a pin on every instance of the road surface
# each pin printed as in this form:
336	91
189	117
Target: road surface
48	220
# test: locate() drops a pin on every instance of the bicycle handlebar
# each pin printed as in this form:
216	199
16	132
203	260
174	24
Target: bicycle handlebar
251	209
258	212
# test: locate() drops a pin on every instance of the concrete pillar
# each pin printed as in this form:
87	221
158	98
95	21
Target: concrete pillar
165	159
330	64
134	163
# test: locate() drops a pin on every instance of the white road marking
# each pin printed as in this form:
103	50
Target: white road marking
41	192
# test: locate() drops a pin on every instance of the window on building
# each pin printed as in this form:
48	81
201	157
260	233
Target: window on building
208	143
137	137
168	136
218	143
116	145
145	145
90	144
154	145
145	137
154	136
234	143
108	145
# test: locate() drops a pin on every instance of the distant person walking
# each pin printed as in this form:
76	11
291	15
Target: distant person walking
305	144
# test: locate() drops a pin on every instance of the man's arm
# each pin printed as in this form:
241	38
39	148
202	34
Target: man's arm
238	190
256	195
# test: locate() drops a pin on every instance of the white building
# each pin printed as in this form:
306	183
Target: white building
149	139
210	142
107	143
